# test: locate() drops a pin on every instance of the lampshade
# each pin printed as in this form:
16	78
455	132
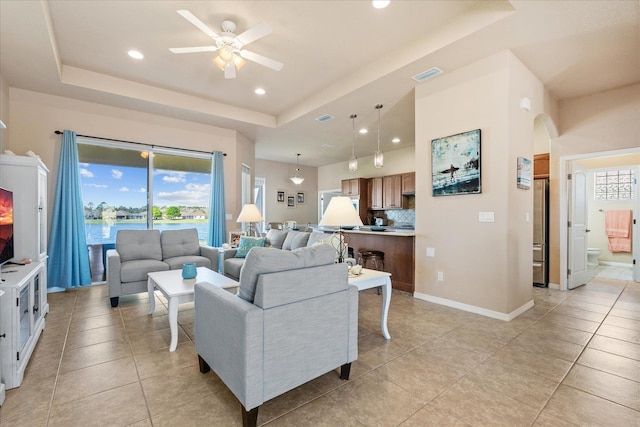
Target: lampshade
296	178
340	213
250	213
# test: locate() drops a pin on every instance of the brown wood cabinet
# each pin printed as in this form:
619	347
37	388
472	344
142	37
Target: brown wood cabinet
375	193
392	192
353	187
541	165
409	183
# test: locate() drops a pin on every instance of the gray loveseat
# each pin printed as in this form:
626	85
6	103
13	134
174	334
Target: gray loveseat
139	252
280	239
295	318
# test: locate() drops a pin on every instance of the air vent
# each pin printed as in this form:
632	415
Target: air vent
324	118
426	75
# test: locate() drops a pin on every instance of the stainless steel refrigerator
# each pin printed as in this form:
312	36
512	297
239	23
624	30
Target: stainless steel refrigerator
540	232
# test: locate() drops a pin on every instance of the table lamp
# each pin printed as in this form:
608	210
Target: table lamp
250	214
340	213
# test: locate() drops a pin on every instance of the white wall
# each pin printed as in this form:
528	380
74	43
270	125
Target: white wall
35	116
277	176
485	265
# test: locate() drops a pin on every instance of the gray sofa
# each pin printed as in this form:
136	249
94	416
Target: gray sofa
295	318
280	239
139	252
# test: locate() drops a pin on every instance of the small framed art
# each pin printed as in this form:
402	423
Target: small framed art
234	237
280	196
300	198
291	201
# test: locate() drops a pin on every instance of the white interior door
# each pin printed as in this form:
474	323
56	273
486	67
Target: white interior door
635	229
577	230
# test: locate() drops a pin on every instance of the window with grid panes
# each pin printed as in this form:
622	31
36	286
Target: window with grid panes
614	184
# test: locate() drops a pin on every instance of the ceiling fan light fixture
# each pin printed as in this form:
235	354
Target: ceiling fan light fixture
218	62
297	179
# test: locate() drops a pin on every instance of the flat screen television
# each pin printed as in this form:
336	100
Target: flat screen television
6	225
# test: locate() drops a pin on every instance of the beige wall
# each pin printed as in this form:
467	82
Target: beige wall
276	175
592	124
35	116
397	161
4	113
485	265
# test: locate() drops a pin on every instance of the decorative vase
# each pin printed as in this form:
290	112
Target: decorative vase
189	271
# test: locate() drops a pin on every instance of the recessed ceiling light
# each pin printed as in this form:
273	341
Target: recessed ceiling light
135	54
260	91
395	140
380	4
363	131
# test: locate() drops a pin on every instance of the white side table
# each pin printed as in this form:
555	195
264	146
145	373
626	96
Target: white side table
371	279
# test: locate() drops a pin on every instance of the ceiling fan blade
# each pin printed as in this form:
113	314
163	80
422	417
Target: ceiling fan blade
198	23
194	49
230	70
262	60
254	33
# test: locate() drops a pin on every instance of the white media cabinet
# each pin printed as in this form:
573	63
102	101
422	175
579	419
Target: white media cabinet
22	320
24	303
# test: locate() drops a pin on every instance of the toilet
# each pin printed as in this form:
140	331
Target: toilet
592	257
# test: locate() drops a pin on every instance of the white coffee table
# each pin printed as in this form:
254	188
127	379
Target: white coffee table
370	279
178	291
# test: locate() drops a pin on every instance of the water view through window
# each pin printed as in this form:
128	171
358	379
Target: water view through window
120	184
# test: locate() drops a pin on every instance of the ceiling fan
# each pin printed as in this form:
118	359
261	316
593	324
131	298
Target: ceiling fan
230	47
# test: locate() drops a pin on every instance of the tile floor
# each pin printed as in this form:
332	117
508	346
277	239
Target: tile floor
619	272
573	359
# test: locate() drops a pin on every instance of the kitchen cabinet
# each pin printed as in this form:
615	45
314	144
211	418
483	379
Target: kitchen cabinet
354	187
409	183
541	165
375	193
392	192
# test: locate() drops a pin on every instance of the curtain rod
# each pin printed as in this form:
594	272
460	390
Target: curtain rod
59	132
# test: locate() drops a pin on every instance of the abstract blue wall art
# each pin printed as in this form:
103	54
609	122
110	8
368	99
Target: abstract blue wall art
455	164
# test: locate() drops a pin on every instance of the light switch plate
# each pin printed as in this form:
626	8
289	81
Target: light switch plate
486	217
431	251
227	217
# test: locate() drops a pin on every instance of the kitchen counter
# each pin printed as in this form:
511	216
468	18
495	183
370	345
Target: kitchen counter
398	248
397	232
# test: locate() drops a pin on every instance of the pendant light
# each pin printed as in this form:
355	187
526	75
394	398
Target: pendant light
353	161
297	179
378	157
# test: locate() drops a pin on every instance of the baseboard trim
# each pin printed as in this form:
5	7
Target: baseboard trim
554	286
617	264
475	309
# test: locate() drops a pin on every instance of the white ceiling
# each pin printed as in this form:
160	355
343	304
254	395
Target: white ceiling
340	58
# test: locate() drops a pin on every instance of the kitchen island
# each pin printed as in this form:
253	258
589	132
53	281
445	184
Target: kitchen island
398	248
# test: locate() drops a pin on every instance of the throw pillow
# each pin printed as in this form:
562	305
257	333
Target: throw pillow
295	240
246	243
275	238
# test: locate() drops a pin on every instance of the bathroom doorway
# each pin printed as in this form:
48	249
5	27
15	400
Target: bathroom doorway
603	262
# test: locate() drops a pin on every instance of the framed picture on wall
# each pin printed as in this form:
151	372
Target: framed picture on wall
524	173
280	196
300	198
234	237
455	164
291	201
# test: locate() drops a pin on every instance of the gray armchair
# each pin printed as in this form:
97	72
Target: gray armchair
139	252
294	319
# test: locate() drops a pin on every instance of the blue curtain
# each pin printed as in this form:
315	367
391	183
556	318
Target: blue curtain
68	252
217	219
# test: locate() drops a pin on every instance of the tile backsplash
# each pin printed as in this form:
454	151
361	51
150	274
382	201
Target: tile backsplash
399	217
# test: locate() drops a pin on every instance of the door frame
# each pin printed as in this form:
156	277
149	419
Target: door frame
565	199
